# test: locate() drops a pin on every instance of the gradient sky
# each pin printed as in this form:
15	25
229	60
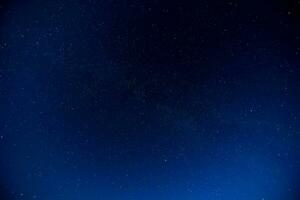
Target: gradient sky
149	100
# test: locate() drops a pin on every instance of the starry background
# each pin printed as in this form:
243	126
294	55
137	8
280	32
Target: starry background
149	99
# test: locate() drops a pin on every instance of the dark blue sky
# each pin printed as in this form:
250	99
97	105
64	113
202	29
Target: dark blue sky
149	100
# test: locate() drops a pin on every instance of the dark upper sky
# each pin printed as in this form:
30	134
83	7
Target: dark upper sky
149	100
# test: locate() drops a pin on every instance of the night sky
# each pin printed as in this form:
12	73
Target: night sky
149	100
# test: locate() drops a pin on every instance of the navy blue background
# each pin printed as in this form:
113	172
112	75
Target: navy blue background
138	100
